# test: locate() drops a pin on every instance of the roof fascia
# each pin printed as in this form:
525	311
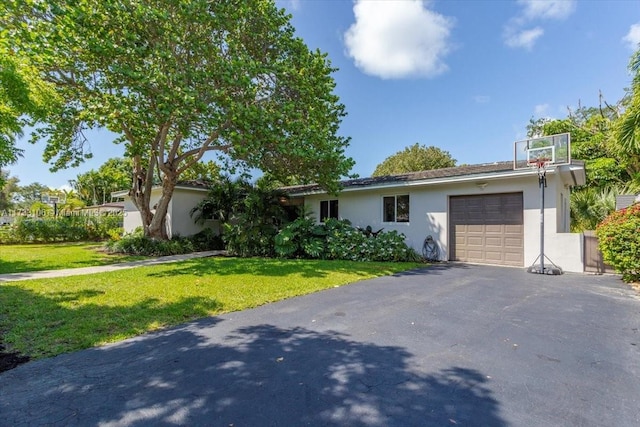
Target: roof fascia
124	193
432	181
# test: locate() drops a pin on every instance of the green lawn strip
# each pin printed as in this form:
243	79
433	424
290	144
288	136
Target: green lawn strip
43	318
56	256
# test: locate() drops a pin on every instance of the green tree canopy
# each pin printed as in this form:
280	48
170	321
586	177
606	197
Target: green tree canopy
413	159
24	98
95	186
178	79
628	127
593	140
29	194
205	171
8	188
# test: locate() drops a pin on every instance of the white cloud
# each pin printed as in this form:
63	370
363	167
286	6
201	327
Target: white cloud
547	9
633	36
522	38
392	39
515	33
482	99
290	4
541	110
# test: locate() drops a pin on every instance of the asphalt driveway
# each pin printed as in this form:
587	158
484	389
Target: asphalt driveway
458	345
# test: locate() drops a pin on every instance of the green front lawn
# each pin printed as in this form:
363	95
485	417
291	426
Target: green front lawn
55	256
43	318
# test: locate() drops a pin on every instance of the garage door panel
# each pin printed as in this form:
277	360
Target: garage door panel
487	228
475	228
494	228
513	229
512	243
494	256
495	242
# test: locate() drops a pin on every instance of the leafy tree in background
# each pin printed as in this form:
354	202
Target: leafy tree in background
593	140
95	186
177	80
30	194
8	188
628	128
204	171
413	159
24	98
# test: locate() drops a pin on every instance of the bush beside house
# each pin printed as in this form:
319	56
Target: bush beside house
619	241
337	239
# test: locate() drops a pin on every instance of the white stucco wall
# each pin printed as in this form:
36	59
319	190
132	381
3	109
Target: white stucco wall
181	204
429	214
179	222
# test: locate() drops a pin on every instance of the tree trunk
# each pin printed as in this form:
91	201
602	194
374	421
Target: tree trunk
154	218
158	226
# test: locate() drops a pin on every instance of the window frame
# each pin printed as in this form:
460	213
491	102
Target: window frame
396	204
332	209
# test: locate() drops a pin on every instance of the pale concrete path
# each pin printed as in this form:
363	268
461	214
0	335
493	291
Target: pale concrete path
12	277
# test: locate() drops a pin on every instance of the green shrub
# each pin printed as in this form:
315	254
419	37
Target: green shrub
337	239
619	241
207	240
72	228
137	244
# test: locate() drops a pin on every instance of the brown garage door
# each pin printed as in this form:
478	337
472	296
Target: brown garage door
487	229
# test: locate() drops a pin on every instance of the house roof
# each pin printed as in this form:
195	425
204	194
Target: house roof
196	184
457	173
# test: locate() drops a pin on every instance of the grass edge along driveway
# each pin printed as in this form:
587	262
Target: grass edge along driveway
57	256
44	318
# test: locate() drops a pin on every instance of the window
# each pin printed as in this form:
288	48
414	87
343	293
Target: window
328	209
395	208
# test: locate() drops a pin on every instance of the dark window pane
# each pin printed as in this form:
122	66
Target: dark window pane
403	209
333	209
324	210
389	209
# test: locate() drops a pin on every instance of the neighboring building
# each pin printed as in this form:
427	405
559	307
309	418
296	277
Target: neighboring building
626	200
186	196
486	213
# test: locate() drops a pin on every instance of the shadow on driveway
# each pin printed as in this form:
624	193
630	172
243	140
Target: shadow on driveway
260	375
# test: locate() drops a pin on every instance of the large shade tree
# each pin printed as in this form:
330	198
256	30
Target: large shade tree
24	97
177	79
414	159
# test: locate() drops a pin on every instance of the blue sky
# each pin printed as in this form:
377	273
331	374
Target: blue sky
465	76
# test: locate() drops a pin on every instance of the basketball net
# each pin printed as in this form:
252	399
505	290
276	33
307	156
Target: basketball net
541	165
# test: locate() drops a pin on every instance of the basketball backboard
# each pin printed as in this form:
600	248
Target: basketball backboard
555	149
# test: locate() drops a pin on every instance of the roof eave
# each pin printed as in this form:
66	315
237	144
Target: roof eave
427	181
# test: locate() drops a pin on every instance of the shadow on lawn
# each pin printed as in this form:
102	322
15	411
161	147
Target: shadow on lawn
42	325
257	375
271	267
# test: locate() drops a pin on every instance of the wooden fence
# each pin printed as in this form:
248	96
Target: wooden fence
593	262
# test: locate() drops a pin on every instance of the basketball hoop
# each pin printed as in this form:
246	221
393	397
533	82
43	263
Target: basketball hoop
540	154
541	165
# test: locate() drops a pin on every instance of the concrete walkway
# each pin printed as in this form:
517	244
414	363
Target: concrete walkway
12	277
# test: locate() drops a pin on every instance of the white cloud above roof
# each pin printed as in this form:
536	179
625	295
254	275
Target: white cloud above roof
541	110
515	37
520	32
633	36
398	39
547	9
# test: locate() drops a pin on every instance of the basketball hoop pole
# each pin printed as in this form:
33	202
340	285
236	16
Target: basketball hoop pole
541	269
